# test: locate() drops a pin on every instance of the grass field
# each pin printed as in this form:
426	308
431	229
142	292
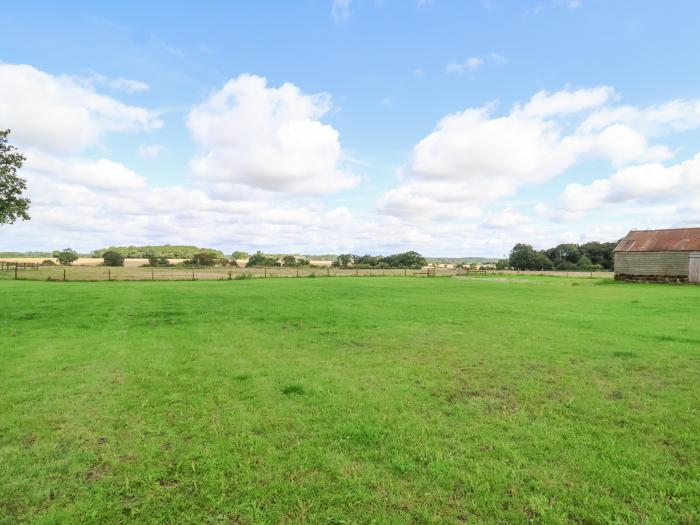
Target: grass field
369	400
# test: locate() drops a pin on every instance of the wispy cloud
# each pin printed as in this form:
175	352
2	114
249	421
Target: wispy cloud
469	65
340	9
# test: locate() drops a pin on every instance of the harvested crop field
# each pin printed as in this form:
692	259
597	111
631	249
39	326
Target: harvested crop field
392	400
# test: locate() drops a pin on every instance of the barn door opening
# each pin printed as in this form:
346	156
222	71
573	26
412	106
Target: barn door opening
694	268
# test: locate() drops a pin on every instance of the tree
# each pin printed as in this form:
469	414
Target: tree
522	256
204	258
112	258
260	259
600	253
502	264
541	262
344	260
12	205
240	255
67	257
289	260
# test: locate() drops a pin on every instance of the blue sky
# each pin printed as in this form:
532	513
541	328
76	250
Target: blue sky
161	122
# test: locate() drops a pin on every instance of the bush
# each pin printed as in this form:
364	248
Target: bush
112	258
242	276
66	257
260	259
48	262
204	258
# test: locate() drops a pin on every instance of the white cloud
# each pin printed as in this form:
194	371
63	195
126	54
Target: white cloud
60	113
126	85
469	65
267	138
498	58
474	158
544	104
101	174
643	182
150	151
507	218
340	9
674	116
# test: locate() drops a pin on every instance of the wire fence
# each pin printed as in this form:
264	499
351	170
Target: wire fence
37	272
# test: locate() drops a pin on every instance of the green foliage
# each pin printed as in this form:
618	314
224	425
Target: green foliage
592	256
48	262
289	260
502	264
164	251
67	256
204	258
25	254
399	260
12	205
522	257
344	260
112	258
156	261
240	255
425	401
260	259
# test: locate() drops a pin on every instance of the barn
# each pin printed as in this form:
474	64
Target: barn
659	256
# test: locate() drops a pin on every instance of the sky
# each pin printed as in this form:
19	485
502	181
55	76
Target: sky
454	128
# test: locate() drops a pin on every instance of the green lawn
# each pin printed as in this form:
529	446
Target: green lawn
369	400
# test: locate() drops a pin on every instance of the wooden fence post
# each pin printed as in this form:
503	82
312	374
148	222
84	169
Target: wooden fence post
229	275
16	265
328	272
109	274
265	271
297	271
152	276
64	275
193	275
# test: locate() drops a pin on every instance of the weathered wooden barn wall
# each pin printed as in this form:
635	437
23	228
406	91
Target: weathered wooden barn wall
694	273
664	265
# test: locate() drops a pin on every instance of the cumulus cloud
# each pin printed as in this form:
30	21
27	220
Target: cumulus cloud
544	104
267	138
643	182
474	157
62	114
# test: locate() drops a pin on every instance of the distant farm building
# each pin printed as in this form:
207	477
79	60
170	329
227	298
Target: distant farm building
659	256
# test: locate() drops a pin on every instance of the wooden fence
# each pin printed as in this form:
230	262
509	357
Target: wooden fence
32	271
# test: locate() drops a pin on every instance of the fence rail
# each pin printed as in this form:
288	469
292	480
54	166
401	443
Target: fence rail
31	271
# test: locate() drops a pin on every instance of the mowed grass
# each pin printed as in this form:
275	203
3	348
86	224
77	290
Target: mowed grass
370	400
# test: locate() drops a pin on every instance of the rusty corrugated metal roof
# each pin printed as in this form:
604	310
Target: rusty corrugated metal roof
675	240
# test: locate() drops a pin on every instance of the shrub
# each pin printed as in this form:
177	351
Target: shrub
204	258
260	259
66	257
48	262
112	258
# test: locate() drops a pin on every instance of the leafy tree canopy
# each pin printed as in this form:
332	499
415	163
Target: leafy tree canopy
13	205
67	256
112	258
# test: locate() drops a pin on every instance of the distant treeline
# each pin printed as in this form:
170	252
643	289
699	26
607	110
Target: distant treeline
461	260
166	251
398	260
592	256
25	254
